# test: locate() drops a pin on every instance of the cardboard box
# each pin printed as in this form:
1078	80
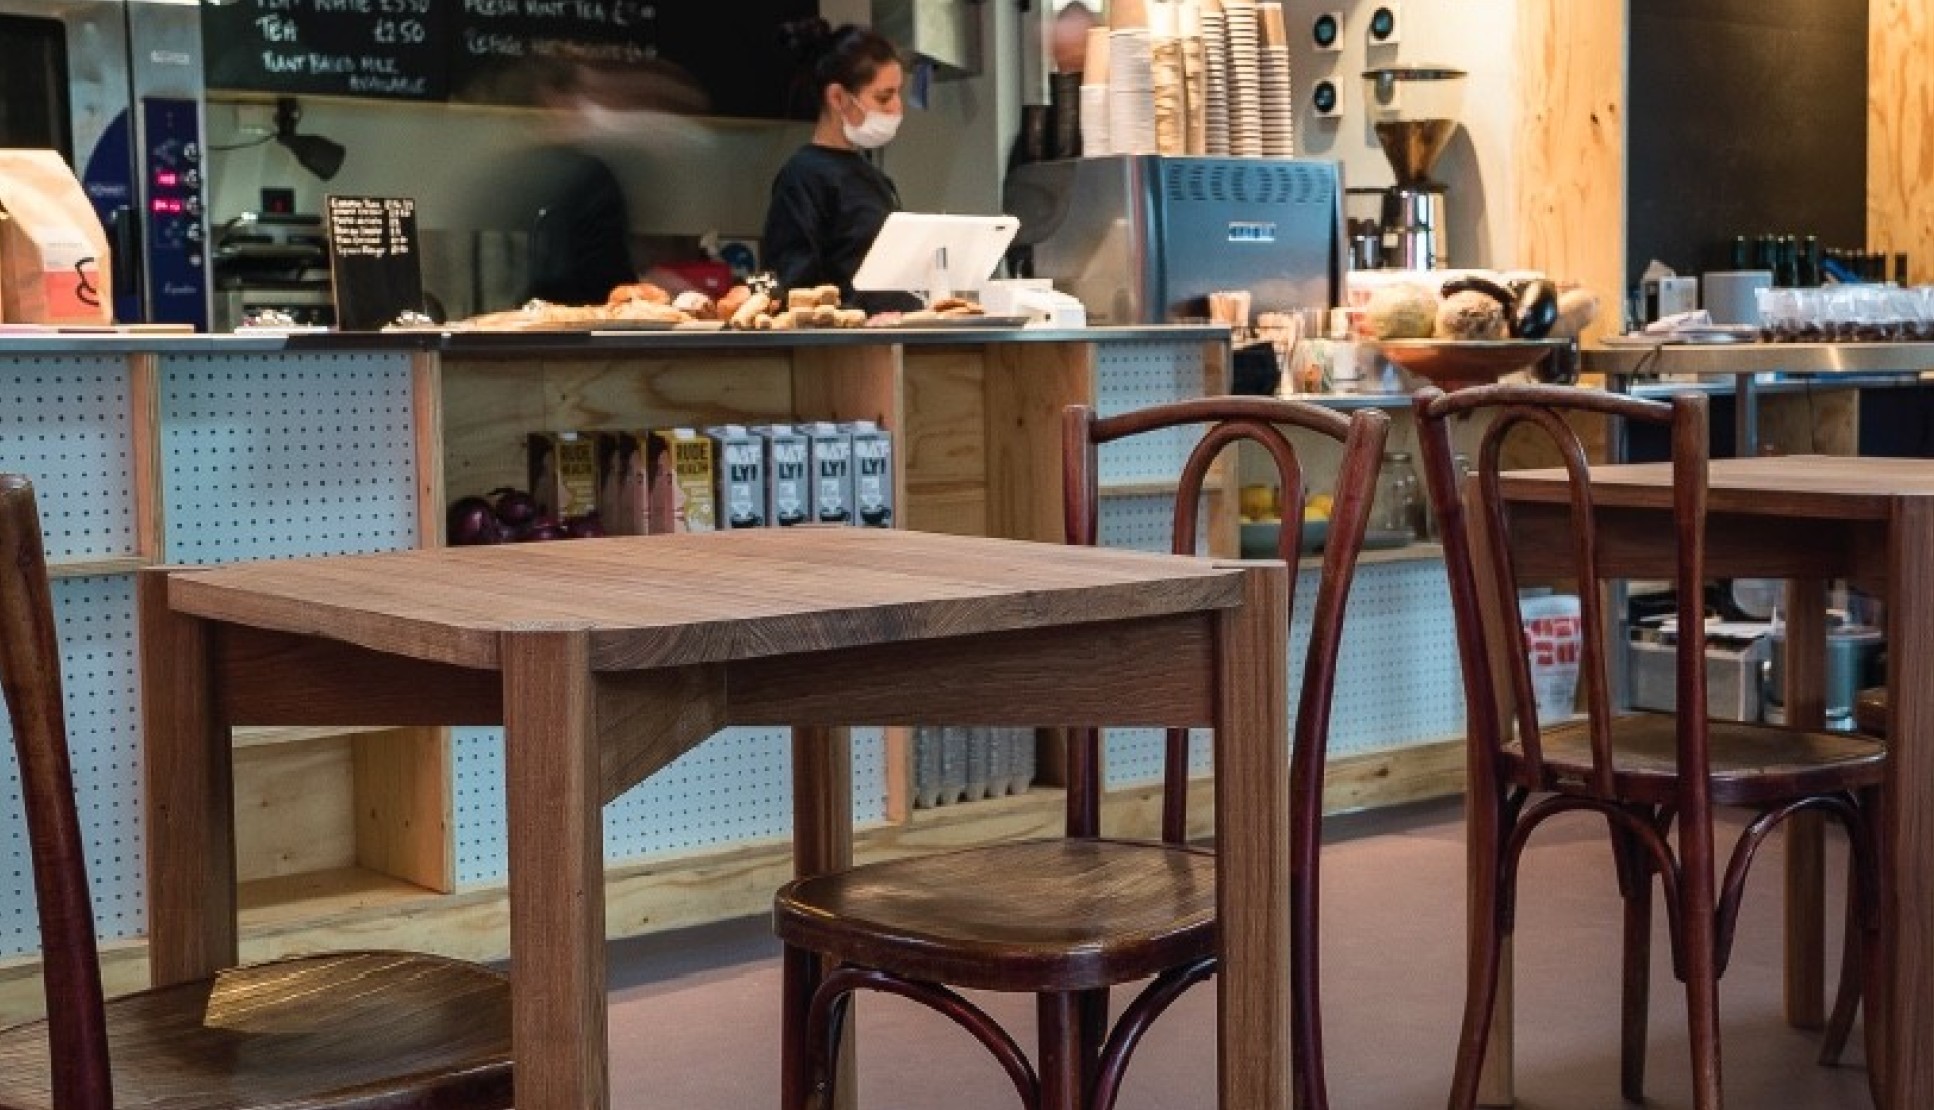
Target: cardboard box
624	487
679	461
788	479
563	468
54	264
740	461
872	474
831	470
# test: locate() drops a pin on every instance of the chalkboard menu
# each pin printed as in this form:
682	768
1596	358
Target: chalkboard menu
375	259
724	58
391	48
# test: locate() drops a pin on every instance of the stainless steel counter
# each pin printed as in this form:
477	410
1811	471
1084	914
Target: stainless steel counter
1755	358
518	344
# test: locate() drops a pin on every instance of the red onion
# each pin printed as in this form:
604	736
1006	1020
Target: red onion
584	526
471	521
515	507
541	529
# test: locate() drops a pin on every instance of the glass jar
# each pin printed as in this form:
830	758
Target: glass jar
1399	505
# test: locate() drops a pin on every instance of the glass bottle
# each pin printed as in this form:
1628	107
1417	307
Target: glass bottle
1399	504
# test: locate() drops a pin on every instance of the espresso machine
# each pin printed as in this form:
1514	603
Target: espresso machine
1415	111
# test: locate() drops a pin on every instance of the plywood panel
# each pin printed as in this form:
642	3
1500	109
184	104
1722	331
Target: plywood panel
1028	384
487	409
1900	131
293	806
945	417
402	783
1569	207
1822	423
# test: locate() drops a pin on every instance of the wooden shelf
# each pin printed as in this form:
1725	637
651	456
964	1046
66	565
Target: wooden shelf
320	896
98	568
1155	489
272	736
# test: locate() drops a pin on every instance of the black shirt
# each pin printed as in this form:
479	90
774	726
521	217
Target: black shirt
827	208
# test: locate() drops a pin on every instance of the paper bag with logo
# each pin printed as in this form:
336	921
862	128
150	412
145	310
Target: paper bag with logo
53	251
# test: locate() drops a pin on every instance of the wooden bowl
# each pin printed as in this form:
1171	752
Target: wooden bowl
1453	363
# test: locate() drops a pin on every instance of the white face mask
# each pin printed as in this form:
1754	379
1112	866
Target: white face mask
876	130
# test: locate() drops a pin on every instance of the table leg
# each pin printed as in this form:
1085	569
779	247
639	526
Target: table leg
1252	845
552	790
1804	695
822	841
1907	828
190	794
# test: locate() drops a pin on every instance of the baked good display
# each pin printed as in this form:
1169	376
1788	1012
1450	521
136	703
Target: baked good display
638	291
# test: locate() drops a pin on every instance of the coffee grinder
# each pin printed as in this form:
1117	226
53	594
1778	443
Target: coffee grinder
1415	112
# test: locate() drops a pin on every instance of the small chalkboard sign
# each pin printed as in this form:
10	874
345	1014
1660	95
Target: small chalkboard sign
375	259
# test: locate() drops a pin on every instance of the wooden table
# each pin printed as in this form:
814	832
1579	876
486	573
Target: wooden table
604	660
1805	519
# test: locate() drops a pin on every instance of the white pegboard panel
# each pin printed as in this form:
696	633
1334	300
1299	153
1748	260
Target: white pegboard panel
98	670
285	455
1131	376
1146	522
65	423
734	788
1398	678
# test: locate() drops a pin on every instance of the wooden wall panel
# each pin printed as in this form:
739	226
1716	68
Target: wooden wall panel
294	807
1569	207
1900	131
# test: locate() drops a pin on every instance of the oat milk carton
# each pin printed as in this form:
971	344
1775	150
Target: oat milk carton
872	474
788	482
680	464
831	469
739	458
563	469
624	486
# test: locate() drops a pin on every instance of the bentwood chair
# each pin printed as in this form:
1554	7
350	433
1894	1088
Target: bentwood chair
1067	919
354	1031
1647	774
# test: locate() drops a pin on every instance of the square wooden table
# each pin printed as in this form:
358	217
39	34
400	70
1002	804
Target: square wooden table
1804	518
604	660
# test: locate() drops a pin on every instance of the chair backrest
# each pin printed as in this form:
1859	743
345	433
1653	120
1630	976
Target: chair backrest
1475	525
1260	420
30	675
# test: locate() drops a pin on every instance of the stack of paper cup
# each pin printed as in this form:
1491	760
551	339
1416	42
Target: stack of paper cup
1131	91
1278	105
1245	80
1171	106
1195	76
1215	50
1094	95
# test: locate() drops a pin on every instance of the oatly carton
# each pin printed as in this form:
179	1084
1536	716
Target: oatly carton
739	457
624	488
872	474
679	461
788	482
831	468
563	468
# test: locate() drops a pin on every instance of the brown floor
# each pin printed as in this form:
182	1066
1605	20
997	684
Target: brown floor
694	1025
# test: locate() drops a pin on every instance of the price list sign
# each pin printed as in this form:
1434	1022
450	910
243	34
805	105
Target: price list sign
499	43
385	48
375	259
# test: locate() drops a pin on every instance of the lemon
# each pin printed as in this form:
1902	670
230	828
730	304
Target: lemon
1317	506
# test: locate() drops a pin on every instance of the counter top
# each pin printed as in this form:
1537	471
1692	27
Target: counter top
518	344
1751	358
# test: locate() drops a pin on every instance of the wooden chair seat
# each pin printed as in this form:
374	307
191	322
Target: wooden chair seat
1074	914
1752	765
358	1031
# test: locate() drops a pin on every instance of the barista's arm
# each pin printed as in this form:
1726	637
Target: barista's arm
791	246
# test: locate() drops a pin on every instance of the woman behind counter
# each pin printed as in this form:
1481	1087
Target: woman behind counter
829	199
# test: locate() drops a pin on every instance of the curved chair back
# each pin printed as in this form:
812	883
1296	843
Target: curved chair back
30	675
1230	420
1484	584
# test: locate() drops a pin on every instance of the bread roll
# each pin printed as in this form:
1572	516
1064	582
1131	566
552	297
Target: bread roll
638	291
751	309
696	305
828	295
734	297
